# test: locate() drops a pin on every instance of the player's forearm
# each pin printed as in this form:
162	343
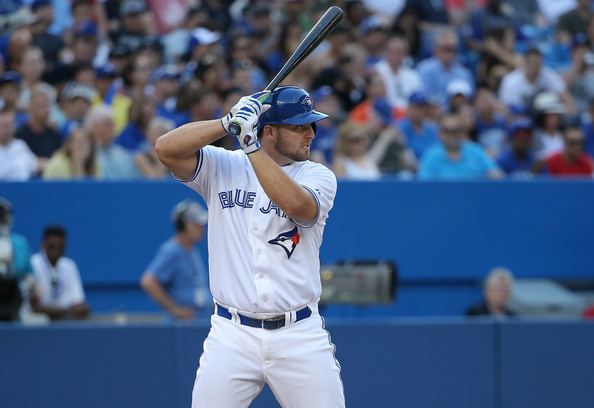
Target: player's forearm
183	142
292	198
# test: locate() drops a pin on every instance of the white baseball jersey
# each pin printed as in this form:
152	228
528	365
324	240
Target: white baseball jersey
58	286
260	260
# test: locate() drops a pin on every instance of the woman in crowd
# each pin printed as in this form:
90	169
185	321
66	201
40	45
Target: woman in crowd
146	159
74	160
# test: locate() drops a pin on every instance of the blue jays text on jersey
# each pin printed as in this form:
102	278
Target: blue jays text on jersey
245	199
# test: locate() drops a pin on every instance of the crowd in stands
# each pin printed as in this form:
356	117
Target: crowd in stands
427	89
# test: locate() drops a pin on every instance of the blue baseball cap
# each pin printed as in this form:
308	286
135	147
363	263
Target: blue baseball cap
520	126
418	98
106	71
10	77
203	36
86	29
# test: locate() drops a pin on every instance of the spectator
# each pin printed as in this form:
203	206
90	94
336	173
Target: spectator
177	277
496	291
211	72
375	103
490	122
572	161
74	160
575	21
406	25
400	81
374	35
455	157
517	159
587	120
76	101
459	101
549	124
114	162
495	14
437	72
17	162
498	54
354	159
10	91
40	136
290	35
15	265
135	24
146	159
50	44
166	84
59	292
580	75
107	83
18	37
142	111
419	132
203	42
522	84
31	68
322	146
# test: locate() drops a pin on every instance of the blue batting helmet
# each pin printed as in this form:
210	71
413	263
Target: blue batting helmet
289	105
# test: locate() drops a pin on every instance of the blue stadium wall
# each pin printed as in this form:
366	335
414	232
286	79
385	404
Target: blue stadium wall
444	236
423	363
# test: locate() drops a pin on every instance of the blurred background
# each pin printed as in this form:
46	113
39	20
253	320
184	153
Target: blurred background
457	264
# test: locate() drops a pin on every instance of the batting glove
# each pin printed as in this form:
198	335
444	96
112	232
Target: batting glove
242	121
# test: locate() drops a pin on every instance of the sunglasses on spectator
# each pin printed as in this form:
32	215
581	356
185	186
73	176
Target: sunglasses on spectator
356	139
575	142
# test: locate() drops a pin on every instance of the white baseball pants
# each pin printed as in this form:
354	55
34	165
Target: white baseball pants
296	361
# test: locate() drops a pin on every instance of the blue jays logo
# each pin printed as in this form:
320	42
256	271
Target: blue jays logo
307	102
287	240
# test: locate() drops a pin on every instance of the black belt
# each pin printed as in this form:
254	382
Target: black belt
268	324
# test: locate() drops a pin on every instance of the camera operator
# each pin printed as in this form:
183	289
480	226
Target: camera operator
16	280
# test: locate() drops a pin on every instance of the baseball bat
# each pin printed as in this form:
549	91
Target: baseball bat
324	26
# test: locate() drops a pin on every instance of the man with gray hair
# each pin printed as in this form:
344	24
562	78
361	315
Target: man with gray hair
496	292
115	163
437	72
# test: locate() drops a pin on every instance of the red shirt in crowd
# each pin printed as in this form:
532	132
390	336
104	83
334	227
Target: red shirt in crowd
559	166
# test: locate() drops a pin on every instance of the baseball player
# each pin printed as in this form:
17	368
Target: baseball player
268	205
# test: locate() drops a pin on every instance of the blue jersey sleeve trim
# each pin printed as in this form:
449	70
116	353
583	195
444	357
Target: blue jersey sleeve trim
198	167
315	219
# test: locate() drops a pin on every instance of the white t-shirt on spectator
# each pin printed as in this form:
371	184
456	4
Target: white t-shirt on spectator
58	286
516	90
399	85
17	162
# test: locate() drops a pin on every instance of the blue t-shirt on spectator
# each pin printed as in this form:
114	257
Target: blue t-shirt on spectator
324	142
492	135
473	163
513	166
436	77
588	128
132	138
418	142
182	272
